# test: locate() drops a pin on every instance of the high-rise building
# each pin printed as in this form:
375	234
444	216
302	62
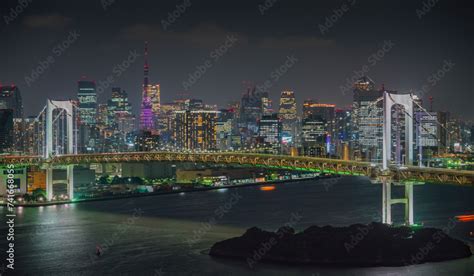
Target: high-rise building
367	120
251	107
267	106
146	113
87	97
342	135
432	134
117	105
327	112
6	130
196	129
11	116
102	116
269	133
251	110
224	128
154	94
32	140
165	121
288	116
10	98
287	111
314	136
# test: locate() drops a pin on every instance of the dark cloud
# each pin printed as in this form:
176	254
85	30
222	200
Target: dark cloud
295	42
203	35
47	21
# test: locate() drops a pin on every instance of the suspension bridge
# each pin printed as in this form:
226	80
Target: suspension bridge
387	173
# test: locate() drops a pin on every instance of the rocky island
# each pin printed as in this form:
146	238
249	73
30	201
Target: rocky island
374	244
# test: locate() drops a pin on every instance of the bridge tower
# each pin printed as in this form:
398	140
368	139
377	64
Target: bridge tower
68	108
406	101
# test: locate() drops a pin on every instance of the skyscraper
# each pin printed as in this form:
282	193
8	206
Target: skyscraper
288	116
154	93
313	136
11	109
267	106
196	129
146	113
287	106
367	120
324	111
117	104
10	98
6	130
269	132
87	97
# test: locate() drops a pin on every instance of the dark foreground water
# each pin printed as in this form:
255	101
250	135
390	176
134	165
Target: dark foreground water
170	234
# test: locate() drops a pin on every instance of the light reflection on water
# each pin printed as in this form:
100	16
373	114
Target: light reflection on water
173	232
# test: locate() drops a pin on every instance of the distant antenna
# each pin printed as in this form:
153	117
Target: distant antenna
431	103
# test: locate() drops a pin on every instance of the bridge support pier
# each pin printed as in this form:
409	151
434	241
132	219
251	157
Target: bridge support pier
70	181
386	201
409	219
49	183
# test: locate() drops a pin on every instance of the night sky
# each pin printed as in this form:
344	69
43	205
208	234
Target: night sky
421	43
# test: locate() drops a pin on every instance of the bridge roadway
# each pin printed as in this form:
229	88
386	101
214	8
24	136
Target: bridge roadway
325	165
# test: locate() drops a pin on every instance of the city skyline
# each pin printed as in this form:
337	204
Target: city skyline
295	137
325	58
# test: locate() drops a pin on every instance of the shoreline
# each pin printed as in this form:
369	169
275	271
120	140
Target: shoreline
157	193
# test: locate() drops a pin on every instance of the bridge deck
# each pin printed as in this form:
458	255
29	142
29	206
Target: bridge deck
326	165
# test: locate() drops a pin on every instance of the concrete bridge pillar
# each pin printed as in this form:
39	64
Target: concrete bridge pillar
49	183
409	216
70	181
388	201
